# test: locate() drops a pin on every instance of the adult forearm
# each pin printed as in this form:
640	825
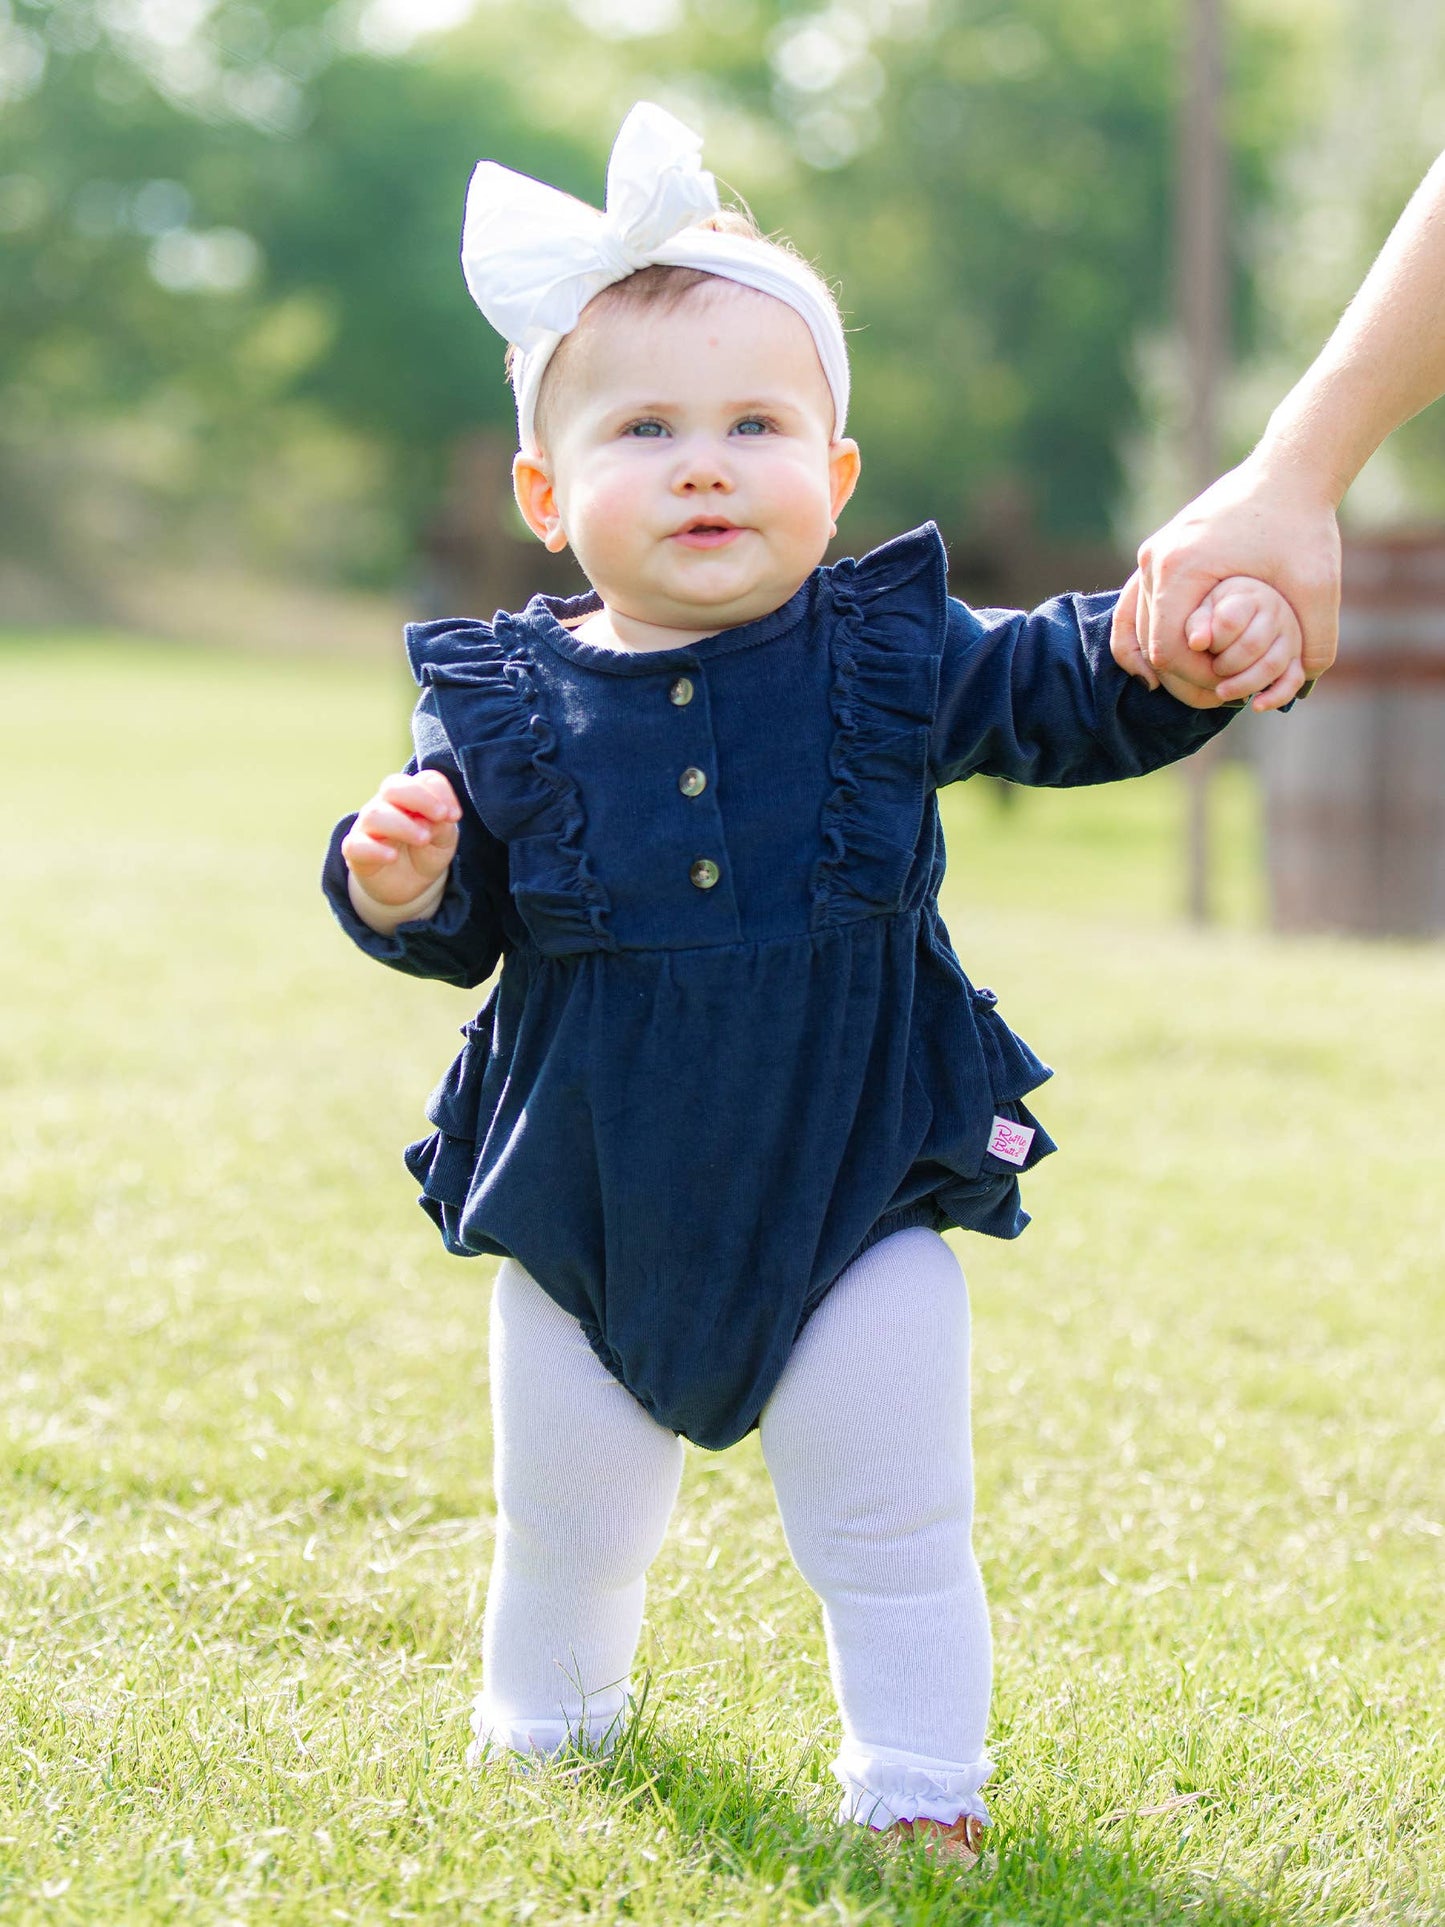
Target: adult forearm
1274	516
1383	363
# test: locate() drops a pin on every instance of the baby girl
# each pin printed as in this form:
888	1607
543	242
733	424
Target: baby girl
731	1084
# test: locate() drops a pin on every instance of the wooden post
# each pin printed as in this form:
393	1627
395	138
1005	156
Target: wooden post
1203	295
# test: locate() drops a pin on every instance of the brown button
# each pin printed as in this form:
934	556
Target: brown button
692	782
681	691
704	873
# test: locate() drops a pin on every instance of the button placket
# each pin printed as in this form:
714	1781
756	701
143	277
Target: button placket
704	872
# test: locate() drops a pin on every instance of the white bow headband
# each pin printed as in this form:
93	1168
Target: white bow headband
534	257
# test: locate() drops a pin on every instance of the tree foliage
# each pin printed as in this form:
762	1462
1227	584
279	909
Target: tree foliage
231	234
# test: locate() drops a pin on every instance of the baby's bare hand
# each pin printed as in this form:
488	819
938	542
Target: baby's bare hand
404	838
1253	637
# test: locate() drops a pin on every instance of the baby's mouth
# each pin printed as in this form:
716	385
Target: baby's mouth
707	532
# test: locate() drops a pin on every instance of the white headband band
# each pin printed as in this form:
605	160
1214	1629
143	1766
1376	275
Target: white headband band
534	257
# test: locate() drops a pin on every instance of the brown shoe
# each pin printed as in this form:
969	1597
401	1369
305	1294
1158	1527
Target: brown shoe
959	1844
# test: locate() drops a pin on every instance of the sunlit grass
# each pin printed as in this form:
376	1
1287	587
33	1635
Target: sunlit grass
245	1524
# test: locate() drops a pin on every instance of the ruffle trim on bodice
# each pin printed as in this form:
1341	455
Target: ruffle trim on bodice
886	638
490	706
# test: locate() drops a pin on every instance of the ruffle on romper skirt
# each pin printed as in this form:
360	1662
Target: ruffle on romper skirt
975	1071
445	1164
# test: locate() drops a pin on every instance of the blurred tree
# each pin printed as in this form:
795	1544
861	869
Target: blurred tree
231	278
231	237
1376	126
990	182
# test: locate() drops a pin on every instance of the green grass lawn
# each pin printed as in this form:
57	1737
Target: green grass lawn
244	1457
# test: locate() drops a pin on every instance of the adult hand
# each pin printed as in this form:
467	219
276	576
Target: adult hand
1259	520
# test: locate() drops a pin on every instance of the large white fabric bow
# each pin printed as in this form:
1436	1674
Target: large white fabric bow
533	257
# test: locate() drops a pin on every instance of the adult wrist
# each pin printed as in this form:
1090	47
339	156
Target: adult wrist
1302	451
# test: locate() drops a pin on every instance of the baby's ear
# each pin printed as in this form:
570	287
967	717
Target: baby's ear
537	499
844	467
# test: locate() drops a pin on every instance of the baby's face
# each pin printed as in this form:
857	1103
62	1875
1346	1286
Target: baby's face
690	463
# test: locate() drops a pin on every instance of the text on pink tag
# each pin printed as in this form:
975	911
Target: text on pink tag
1010	1141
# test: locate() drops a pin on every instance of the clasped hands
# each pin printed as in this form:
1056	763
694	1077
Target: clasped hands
1243	641
1271	519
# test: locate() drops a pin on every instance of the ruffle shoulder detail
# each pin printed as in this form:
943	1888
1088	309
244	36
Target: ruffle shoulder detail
493	708
455	649
886	636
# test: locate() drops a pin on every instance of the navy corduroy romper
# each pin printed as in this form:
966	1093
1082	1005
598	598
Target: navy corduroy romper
730	1045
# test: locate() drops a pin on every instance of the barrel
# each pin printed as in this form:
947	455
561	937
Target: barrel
1354	776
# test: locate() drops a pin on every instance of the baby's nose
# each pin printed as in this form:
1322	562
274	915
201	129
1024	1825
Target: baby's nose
702	467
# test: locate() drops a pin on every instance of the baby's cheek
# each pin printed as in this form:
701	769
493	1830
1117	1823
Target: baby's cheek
803	501
601	526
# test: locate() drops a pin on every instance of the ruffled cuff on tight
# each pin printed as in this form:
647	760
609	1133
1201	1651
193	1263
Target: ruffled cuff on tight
881	1785
599	1727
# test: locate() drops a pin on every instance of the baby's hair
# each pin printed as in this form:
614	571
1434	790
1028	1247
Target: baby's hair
663	288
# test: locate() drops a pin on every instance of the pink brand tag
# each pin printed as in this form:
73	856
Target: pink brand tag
1010	1141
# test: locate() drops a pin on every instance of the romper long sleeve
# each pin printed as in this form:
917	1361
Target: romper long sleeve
463	941
1038	699
731	1044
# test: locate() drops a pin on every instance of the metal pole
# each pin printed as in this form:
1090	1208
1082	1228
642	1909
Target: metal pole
1203	294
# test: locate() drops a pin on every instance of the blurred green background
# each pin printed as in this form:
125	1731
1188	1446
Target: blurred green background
245	1490
244	1452
244	395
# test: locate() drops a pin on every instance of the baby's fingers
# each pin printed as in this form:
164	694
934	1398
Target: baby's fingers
1234	613
427	794
1199	629
1261	673
395	853
366	855
1284	690
389	824
1262	634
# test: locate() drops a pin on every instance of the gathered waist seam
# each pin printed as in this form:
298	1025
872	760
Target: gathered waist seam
532	949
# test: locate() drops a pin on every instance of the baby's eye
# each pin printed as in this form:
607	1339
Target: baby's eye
645	430
755	425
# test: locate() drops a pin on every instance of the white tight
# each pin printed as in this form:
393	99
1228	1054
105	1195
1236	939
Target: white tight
866	1437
